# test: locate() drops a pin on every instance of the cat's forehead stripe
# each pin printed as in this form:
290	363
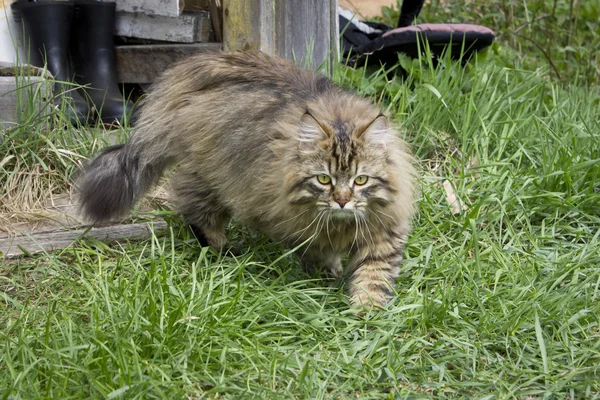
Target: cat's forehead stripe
343	153
343	130
343	146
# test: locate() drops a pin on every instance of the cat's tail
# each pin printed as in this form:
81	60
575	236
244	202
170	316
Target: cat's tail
116	179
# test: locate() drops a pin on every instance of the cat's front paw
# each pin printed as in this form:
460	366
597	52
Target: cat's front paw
335	269
368	299
218	241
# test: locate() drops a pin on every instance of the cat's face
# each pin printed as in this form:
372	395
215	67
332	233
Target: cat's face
344	169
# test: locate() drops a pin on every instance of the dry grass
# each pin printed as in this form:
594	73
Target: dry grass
42	158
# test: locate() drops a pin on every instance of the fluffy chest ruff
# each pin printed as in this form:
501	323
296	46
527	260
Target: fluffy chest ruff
324	230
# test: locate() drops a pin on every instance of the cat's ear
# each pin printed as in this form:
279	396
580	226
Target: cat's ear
379	126
377	131
310	132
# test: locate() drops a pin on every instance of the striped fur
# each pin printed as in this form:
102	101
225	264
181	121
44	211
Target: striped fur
277	148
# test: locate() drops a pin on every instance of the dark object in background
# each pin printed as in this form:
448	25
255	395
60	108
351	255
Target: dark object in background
75	40
92	52
366	42
44	27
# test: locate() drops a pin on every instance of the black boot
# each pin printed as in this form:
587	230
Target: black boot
45	27
92	51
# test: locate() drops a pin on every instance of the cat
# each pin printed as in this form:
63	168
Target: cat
278	148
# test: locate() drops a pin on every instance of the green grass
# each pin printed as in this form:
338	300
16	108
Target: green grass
500	300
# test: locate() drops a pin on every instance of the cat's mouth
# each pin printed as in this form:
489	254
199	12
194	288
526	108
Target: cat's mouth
343	213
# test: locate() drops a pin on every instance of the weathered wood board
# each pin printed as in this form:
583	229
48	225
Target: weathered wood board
190	27
197	4
144	63
23	96
43	241
305	31
170	8
58	223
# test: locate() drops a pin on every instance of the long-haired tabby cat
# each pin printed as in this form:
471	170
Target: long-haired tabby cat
278	148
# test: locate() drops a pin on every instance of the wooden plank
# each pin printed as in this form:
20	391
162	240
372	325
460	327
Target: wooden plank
169	8
8	102
193	26
305	31
13	246
144	63
197	5
22	97
248	25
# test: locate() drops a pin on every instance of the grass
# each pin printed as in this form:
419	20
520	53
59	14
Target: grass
40	155
498	300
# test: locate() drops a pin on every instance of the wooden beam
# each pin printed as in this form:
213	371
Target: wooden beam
39	242
170	8
193	26
305	31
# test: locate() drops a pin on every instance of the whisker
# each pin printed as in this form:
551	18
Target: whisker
363	226
301	231
387	215
374	213
317	232
327	229
318	228
366	221
292	218
362	232
295	232
358	231
355	233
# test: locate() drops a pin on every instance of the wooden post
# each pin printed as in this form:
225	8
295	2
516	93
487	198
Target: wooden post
302	30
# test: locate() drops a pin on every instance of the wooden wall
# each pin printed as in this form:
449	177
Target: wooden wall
303	30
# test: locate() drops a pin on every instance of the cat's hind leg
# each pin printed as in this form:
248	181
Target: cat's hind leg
200	207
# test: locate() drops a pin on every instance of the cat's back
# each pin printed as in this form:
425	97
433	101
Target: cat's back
248	70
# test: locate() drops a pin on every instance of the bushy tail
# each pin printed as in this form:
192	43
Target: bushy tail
115	180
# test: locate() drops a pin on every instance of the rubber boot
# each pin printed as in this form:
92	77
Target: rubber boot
92	51
45	30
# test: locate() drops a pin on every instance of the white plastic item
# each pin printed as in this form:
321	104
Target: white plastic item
8	39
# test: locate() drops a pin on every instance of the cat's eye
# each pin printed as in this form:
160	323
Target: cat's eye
361	179
324	179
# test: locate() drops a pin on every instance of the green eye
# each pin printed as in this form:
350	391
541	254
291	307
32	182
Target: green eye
324	179
361	179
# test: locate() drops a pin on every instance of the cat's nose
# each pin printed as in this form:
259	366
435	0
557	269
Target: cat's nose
341	195
342	202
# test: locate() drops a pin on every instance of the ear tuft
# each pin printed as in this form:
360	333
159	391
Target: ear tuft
378	132
379	126
310	130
